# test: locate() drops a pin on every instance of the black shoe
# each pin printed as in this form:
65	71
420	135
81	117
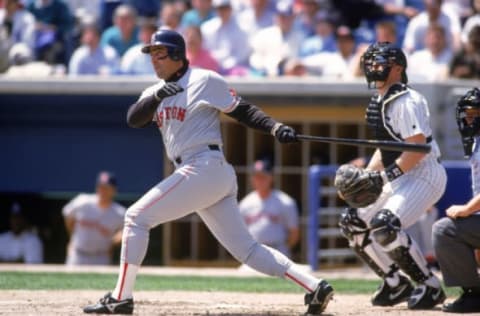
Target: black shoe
468	302
426	297
389	296
109	305
318	300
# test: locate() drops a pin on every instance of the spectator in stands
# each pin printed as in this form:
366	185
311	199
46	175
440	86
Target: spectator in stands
324	38
431	63
471	21
271	215
82	8
305	19
124	33
399	13
134	62
54	23
274	44
197	55
417	27
386	31
256	17
170	16
339	64
20	243
466	63
91	58
225	40
22	64
94	222
201	12
18	22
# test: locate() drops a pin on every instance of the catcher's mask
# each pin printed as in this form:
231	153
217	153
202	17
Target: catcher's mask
172	40
378	60
468	113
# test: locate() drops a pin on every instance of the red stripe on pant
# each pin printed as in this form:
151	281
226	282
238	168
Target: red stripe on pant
291	277
124	272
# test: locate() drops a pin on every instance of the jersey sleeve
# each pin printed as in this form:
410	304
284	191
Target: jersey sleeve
413	118
219	95
72	207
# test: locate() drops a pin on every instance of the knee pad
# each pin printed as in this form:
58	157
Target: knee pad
385	227
351	225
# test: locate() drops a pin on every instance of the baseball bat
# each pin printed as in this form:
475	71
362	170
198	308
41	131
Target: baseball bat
382	144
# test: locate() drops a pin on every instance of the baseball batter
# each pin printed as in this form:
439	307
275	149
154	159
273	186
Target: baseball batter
186	105
94	222
412	183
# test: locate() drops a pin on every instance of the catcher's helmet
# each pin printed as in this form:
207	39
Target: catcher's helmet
382	55
172	40
469	123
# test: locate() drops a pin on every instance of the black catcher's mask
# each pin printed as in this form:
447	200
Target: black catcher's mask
468	118
378	60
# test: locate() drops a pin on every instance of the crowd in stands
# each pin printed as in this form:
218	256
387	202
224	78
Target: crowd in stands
322	38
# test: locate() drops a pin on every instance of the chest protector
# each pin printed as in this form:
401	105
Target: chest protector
378	122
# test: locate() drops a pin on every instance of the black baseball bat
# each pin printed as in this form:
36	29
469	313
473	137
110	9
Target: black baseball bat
382	144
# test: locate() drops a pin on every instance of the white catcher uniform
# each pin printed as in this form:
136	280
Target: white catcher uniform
400	114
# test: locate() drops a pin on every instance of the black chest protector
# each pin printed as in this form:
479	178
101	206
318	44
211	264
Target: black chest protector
379	123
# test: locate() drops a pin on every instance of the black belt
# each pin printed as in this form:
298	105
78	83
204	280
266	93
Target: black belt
178	160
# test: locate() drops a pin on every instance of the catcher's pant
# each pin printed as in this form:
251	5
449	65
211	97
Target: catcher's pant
454	241
408	197
206	184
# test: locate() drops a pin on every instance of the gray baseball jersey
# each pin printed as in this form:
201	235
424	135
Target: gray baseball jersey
94	228
189	120
270	220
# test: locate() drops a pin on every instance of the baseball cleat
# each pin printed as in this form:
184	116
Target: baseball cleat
109	305
389	296
468	302
426	297
318	300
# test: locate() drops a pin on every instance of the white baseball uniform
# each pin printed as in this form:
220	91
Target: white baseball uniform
25	247
94	228
269	220
405	114
475	167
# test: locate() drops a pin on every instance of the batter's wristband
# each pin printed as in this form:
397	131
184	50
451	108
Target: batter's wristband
393	171
275	128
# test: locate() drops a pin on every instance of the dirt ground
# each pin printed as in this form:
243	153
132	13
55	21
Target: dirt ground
173	303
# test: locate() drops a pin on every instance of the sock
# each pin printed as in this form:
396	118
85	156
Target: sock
393	280
126	280
302	278
433	281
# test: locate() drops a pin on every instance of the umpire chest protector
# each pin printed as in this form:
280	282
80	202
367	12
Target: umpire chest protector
379	123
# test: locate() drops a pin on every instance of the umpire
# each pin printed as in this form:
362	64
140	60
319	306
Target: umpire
456	236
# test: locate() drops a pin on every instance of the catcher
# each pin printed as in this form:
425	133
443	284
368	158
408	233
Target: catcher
395	188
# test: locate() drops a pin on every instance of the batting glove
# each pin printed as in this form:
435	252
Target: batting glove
168	89
285	134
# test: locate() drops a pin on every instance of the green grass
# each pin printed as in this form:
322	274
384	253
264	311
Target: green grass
97	281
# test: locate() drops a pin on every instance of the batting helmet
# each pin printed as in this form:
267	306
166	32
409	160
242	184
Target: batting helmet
172	40
385	55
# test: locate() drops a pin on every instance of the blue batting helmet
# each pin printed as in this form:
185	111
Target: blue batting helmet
172	40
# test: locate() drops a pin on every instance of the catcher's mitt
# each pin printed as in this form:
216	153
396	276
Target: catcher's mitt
357	186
